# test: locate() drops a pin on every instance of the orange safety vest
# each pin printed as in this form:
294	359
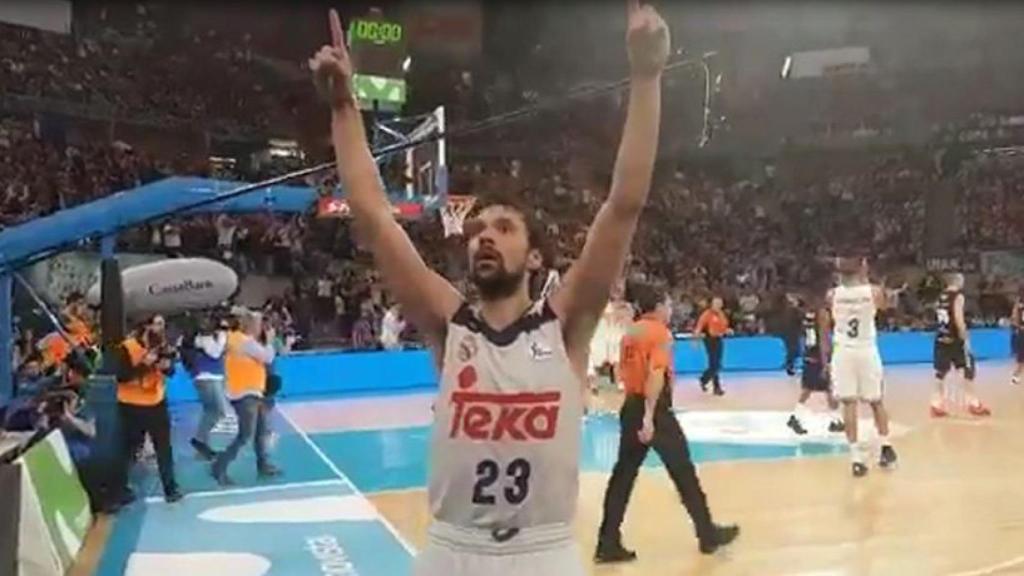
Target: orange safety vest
55	348
243	374
147	390
80	332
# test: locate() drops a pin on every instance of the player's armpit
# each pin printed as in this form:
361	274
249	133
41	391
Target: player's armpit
588	283
427	299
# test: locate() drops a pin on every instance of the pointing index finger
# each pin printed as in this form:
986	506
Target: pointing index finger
337	35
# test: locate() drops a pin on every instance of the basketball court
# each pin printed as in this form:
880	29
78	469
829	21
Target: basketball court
353	498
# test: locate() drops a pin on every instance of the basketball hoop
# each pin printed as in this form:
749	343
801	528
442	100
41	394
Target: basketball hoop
454	212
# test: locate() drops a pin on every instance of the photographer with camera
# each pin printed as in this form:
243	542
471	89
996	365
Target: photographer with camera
62	409
246	362
146	359
203	356
53	403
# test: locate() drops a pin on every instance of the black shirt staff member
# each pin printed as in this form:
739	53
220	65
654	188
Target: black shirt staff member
144	363
647	422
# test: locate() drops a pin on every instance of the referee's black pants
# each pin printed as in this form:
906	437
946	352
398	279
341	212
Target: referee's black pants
137	422
714	346
670	444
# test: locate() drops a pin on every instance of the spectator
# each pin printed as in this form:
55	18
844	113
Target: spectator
391	328
362	331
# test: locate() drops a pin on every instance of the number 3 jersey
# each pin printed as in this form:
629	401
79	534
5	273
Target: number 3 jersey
506	435
853	311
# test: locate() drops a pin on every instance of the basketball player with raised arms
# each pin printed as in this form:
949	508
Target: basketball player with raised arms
856	363
504	465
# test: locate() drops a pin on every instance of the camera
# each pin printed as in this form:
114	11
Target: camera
159	346
54	403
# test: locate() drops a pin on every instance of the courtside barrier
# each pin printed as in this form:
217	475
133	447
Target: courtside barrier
328	372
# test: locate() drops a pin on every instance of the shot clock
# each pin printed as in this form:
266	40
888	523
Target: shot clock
378	50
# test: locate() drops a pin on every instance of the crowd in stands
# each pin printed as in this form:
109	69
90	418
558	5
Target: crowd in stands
705	231
702	234
146	74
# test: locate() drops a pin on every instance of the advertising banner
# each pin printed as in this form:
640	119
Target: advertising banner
55	278
10	513
55	515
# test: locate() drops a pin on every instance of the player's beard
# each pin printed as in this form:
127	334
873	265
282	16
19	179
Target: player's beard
499	284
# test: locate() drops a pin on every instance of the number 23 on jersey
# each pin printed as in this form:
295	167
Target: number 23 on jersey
492	482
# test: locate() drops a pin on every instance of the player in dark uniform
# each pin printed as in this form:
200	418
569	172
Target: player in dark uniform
815	377
953	348
1017	319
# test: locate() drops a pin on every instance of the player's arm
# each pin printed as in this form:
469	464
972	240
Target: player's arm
427	298
959	320
881	302
583	295
1015	315
825	330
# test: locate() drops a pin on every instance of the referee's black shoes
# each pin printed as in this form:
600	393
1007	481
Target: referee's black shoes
612	553
722	536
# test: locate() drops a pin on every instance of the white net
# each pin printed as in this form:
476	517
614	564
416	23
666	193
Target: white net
454	212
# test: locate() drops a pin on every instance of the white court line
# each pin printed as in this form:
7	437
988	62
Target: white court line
341	476
994	569
251	490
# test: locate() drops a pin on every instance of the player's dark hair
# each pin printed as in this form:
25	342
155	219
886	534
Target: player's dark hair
645	297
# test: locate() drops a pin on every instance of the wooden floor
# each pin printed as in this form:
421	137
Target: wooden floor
955	506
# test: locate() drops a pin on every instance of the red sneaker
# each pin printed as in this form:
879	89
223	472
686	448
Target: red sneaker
938	411
979	409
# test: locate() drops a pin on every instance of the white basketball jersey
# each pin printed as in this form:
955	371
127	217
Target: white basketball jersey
853	311
506	436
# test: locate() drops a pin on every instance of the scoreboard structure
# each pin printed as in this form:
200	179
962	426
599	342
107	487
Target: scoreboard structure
379	51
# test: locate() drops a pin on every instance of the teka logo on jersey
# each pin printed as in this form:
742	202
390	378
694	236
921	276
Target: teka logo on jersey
520	416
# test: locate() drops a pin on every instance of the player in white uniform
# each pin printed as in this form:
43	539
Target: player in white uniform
856	363
607	340
505	445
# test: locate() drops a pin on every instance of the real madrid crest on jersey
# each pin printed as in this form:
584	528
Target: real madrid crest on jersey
467	348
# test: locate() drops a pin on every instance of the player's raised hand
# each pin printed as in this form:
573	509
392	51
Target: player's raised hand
647	40
332	67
